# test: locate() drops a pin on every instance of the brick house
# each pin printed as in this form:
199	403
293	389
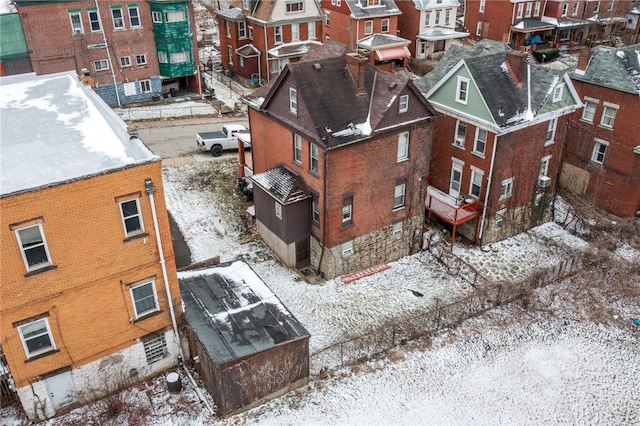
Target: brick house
602	154
368	26
496	153
432	24
340	153
89	283
113	41
258	38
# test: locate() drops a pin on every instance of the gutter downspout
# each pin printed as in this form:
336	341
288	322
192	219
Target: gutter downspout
106	46
489	180
266	52
149	187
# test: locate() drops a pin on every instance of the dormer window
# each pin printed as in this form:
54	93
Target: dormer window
557	92
295	6
293	100
371	3
462	91
404	103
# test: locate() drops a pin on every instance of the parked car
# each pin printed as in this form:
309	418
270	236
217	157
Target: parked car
217	142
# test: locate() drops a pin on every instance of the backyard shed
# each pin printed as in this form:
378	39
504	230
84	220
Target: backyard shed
249	347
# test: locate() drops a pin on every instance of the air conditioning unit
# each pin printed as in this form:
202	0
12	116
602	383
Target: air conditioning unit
77	31
544	181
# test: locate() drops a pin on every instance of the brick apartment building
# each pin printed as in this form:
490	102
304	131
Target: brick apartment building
602	155
496	153
121	45
89	287
340	154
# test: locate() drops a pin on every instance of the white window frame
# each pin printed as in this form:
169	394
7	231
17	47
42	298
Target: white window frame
589	114
477	141
227	26
125	61
447	17
455	186
557	92
399	196
156	17
462	95
313	158
295	32
135	16
278	210
118	22
437	18
311	30
347	213
608	120
294	7
482	5
403	103
596	7
75	28
315	210
384	25
24	248
175	16
479	28
97	20
277	34
134	301
576	8
145	86
230	53
137	214
477	176
506	188
403	147
565	9
24	339
162	57
368	27
101	65
297	148
536	8
520	11
527	12
599	152
346	249
246	4
242	30
327	19
141	59
458	140
610	7
544	166
396	230
293	100
427	19
551	132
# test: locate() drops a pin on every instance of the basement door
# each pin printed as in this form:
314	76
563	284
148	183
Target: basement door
61	389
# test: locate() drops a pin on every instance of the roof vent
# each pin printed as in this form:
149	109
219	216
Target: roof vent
392	84
487	47
317	66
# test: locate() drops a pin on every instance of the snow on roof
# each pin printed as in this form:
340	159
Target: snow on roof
56	129
283	185
7	6
234	313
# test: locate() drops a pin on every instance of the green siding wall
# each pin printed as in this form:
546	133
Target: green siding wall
446	95
12	42
174	37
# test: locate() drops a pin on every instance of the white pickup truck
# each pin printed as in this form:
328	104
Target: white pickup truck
216	142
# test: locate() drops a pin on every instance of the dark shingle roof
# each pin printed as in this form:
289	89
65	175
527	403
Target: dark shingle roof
359	10
285	186
613	67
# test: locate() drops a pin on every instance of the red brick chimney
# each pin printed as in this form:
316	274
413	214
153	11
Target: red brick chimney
517	64
583	60
357	66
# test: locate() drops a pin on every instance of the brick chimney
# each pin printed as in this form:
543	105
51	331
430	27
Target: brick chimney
517	64
583	60
357	66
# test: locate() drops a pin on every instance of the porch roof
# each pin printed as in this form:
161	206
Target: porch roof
441	33
529	25
294	49
392	53
565	23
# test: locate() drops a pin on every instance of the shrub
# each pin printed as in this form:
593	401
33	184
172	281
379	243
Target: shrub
546	55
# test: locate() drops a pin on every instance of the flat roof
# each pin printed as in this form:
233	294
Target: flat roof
55	129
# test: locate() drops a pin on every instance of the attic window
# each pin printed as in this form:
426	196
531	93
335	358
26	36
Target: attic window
557	93
317	66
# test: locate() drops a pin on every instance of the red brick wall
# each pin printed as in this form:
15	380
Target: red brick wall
497	19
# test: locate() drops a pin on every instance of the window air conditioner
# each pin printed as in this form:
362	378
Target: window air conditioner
544	181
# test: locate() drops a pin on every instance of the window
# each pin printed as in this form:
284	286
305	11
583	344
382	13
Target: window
278	210
368	27
396	230
313	158
384	25
403	146
576	7
277	34
462	91
311	30
156	17
609	115
437	20
610	7
599	151
520	10
125	61
293	100
461	134
551	132
447	17
536	8
141	59
527	13
479	28
297	148
33	246
596	8
315	211
347	248
76	23
398	197
94	20
544	166
155	348
250	32
134	16
129	88
101	64
506	189
179	57
589	109
295	6
162	57
373	3
456	177
482	4
175	16
347	207
500	214
227	26
145	300
427	19
295	32
404	103
327	18
36	337
481	141
118	21
476	181
242	30
557	92
245	4
230	54
565	9
145	86
131	217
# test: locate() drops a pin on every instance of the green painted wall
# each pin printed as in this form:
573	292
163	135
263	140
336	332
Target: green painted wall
12	42
446	95
173	37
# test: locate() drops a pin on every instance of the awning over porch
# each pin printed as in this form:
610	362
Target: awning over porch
441	33
454	211
391	53
529	25
294	49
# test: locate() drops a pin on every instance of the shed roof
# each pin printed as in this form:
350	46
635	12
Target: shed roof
55	129
233	313
283	185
